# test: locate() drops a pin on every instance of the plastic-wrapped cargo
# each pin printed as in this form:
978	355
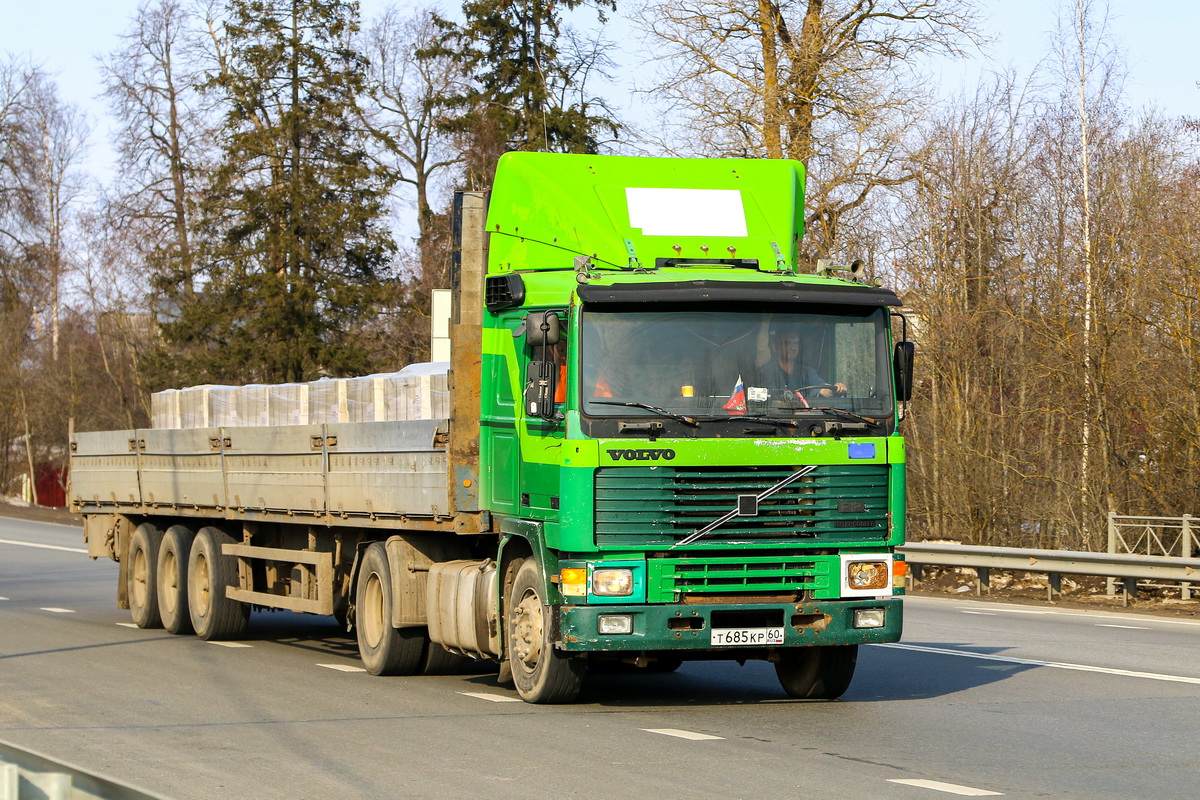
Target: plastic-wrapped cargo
419	391
287	404
222	406
324	401
164	409
359	402
194	409
250	405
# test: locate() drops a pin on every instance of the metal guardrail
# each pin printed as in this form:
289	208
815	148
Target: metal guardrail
26	774
1154	536
1054	563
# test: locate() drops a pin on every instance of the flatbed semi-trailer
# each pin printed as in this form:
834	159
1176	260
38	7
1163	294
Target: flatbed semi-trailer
664	443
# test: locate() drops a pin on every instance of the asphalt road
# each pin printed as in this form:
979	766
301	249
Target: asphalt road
980	699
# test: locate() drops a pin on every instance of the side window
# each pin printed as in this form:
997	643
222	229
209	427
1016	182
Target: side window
854	351
500	368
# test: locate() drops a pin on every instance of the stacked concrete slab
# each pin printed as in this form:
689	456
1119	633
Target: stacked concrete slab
419	391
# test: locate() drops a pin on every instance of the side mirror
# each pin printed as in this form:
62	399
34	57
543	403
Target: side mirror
540	383
902	364
542	328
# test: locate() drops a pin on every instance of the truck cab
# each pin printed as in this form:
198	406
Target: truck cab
696	445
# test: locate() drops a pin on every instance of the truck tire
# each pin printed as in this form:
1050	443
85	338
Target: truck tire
541	673
440	661
141	576
214	616
817	673
172	579
384	650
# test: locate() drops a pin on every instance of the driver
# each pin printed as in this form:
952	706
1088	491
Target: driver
786	371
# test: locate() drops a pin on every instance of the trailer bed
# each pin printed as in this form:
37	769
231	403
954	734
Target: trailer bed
369	474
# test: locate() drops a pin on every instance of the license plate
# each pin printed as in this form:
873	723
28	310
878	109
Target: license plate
746	637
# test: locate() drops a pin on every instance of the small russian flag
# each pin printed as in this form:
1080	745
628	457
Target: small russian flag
737	401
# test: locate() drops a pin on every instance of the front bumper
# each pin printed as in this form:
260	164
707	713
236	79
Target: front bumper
689	627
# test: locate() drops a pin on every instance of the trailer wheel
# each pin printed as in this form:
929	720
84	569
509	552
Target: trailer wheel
141	587
172	579
817	673
541	674
384	650
210	572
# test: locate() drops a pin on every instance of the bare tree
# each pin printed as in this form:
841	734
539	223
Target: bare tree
827	82
151	83
406	90
52	168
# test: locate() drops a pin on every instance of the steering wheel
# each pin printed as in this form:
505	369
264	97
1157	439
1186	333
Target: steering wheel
820	386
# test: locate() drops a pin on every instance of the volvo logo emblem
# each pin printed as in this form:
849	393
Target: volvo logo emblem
642	455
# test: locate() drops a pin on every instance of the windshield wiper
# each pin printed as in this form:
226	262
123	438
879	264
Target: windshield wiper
677	417
844	414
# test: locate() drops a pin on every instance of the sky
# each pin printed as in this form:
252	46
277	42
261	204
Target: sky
1157	36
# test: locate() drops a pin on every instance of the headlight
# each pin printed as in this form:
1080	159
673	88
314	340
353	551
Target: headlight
865	575
612	582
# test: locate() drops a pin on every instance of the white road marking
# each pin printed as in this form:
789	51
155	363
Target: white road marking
53	610
695	737
1016	609
980	613
46	546
1154	676
949	788
342	667
3	598
495	698
127	625
1125	627
1035	611
231	644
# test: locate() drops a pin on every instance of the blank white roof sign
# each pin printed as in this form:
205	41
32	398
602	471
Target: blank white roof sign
686	212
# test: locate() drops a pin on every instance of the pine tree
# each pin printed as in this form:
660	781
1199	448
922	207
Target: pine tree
526	81
296	213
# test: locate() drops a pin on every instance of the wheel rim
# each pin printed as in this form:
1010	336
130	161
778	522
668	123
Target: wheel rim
372	610
141	577
528	624
199	588
169	578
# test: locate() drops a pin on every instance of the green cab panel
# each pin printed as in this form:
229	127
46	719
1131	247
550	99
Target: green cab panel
548	208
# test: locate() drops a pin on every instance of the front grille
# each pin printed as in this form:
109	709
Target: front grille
744	575
660	505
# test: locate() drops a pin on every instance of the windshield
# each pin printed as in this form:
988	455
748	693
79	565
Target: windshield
776	362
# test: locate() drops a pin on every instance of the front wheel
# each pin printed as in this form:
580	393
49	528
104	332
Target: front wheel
541	674
817	673
384	650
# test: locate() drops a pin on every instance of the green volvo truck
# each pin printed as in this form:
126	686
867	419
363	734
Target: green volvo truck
663	442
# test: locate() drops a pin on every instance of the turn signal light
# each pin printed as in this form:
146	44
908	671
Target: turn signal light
573	581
